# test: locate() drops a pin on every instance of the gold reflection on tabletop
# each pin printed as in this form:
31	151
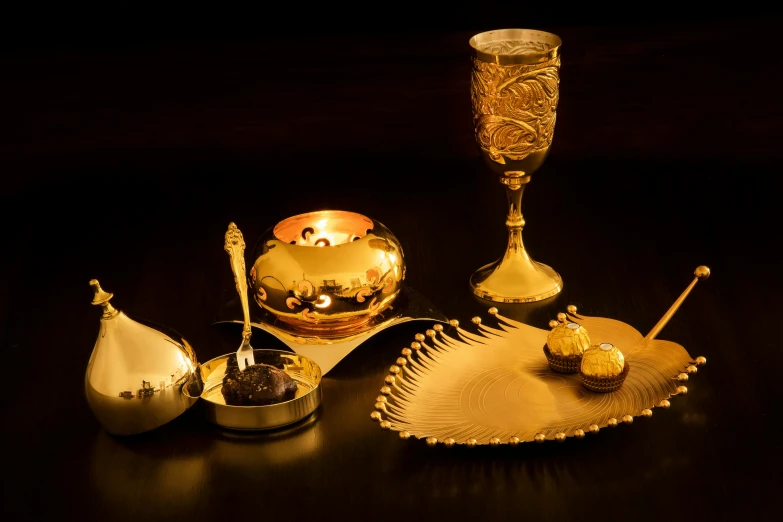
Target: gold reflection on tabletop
238	450
120	468
179	464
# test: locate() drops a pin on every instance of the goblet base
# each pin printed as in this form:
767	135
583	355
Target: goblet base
516	280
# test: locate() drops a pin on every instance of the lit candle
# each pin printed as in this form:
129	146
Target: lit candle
321	234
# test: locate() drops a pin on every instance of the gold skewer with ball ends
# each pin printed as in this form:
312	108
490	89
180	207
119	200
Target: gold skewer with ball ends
702	273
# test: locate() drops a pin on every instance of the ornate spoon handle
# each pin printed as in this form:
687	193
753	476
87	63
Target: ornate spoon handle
235	246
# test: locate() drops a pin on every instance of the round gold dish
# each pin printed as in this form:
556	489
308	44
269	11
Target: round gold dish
327	273
304	371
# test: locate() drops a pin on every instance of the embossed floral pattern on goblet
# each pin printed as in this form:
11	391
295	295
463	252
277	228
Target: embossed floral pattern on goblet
514	107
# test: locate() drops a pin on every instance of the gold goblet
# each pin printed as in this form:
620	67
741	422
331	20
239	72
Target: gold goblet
514	90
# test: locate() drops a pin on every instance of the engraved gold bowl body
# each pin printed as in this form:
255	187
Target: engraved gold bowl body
327	273
514	93
303	370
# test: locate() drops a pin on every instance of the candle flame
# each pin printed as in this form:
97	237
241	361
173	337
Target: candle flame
323	301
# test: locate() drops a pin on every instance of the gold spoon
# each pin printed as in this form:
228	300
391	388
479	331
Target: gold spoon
235	246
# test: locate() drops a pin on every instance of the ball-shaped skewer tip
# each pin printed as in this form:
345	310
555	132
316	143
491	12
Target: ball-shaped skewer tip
702	272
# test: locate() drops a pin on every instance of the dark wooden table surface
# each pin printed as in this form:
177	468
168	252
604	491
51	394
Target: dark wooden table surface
126	164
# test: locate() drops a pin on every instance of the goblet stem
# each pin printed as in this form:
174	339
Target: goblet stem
515	278
515	188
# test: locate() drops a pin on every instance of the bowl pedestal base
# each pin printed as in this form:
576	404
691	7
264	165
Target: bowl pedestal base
409	305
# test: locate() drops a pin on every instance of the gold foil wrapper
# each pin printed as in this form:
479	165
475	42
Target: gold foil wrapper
568	339
603	360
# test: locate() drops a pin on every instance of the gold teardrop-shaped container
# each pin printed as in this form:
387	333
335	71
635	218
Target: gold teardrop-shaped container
137	374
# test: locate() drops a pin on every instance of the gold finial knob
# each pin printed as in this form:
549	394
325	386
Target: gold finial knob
571	309
702	272
102	298
561	317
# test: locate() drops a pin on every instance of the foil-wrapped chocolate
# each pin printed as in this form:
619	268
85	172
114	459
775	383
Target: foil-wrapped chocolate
568	339
603	360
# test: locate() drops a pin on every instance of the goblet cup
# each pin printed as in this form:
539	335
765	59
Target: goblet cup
514	92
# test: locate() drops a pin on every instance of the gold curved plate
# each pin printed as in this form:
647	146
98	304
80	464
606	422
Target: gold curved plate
495	386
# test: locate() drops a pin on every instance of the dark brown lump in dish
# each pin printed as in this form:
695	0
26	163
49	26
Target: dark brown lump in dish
257	385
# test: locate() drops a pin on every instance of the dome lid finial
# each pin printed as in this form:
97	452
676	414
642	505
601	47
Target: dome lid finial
102	298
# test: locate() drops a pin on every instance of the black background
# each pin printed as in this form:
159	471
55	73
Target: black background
133	134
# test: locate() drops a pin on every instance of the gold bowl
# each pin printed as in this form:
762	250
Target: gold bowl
327	273
304	371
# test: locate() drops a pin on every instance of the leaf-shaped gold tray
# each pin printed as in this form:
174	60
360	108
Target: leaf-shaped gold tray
495	387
